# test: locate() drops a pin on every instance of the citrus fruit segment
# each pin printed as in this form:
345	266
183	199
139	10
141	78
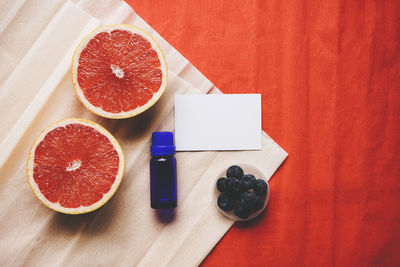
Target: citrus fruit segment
75	166
118	71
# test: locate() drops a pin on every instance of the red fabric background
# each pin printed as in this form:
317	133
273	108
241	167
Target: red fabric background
329	74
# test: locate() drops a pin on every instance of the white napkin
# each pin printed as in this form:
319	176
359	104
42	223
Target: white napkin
37	40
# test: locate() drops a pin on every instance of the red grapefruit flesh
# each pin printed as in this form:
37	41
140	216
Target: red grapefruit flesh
75	166
119	71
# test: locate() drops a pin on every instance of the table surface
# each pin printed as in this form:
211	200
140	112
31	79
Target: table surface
329	74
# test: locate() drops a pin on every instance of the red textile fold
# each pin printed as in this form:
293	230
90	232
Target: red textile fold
329	73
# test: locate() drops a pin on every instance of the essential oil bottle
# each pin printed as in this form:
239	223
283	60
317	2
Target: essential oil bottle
163	171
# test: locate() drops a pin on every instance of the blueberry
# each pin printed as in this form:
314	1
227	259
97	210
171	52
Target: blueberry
235	202
223	184
248	181
260	187
258	204
248	200
234	172
244	186
235	186
224	202
234	196
241	212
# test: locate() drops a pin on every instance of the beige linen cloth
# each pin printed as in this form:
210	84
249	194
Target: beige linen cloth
37	40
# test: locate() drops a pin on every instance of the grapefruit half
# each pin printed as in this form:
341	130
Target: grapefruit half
75	166
118	71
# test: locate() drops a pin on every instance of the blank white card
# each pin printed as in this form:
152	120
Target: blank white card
218	122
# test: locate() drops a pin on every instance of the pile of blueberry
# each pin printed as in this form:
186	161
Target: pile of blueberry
242	193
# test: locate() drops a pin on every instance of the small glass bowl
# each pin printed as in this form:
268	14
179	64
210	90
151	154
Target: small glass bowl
247	169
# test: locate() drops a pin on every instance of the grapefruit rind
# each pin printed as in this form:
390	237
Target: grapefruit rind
138	110
81	209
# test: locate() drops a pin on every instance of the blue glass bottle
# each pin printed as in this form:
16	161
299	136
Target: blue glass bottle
163	171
